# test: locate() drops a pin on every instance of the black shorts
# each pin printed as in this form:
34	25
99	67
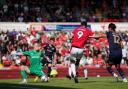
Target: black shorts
115	57
46	62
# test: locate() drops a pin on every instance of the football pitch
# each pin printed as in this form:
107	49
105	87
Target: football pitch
64	83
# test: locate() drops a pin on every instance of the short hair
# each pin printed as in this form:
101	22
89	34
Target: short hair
112	26
84	23
36	44
52	39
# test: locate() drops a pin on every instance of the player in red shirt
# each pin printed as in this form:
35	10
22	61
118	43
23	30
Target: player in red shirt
79	37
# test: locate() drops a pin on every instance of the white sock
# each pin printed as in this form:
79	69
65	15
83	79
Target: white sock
69	71
73	69
85	73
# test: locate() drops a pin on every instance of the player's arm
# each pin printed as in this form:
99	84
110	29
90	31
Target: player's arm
121	44
26	53
19	53
71	36
97	36
92	35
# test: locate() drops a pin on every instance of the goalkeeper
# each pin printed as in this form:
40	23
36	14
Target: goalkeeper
35	67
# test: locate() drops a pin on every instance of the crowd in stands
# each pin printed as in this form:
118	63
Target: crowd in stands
63	10
58	11
12	42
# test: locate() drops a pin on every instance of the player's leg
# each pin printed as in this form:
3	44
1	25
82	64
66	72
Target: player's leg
71	65
69	72
42	75
75	66
124	55
75	56
72	68
67	63
86	73
126	60
109	68
111	71
44	62
78	57
24	71
109	63
120	71
49	69
117	62
82	65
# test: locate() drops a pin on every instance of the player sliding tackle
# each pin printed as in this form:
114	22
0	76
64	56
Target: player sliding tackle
79	37
35	64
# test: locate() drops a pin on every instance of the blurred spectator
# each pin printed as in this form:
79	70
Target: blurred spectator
95	54
64	11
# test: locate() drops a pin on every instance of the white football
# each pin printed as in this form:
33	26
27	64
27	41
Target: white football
44	78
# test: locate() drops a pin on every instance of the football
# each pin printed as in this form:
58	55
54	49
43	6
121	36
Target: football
44	79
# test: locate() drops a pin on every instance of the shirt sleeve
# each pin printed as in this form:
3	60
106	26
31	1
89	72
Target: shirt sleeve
90	33
27	53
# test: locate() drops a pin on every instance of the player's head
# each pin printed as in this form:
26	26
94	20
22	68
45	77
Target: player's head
36	46
112	27
84	23
52	40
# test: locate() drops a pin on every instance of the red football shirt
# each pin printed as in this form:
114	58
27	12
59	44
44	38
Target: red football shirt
80	36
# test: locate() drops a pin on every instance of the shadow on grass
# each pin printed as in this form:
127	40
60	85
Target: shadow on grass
19	86
119	81
88	81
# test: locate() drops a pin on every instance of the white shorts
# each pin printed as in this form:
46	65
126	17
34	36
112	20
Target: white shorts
77	53
124	53
83	61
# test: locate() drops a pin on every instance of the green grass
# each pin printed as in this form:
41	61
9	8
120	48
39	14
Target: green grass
64	83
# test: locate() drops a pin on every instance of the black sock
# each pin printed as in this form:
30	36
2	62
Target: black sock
120	71
110	70
49	71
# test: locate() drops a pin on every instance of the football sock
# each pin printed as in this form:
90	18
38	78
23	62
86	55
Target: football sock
69	71
23	73
49	71
73	69
85	73
110	70
120	71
